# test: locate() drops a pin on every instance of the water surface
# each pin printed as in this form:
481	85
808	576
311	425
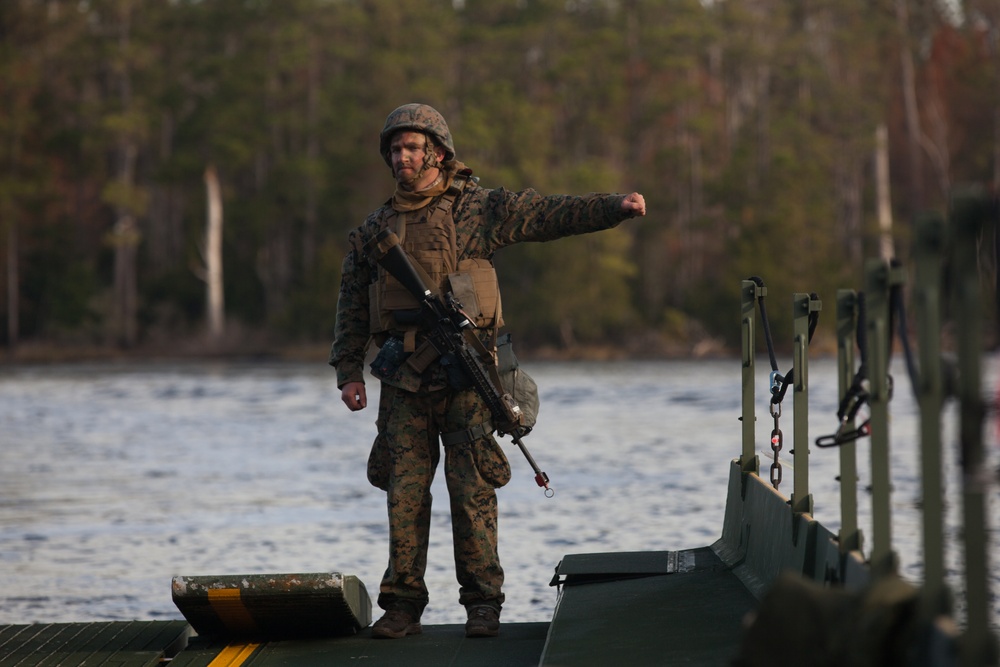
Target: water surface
114	478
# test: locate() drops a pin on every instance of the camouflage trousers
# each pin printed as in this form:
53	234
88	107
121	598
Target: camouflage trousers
409	424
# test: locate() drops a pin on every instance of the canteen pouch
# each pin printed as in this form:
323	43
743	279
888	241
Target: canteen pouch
468	435
378	463
516	381
378	458
491	462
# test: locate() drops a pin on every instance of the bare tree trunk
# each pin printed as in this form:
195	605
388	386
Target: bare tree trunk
634	82
882	192
125	233
849	181
762	95
910	107
312	155
697	252
13	294
125	237
215	296
274	268
165	245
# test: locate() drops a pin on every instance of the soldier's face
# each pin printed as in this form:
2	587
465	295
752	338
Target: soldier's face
410	164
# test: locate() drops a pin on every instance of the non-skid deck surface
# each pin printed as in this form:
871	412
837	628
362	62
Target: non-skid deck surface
438	646
120	643
149	644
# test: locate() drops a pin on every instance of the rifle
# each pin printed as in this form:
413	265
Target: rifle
451	332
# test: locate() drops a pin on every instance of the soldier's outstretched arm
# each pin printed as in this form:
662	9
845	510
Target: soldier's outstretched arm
528	216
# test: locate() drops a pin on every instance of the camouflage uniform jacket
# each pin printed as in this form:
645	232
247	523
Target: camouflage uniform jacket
485	221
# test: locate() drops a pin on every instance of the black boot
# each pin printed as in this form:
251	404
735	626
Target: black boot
396	624
484	621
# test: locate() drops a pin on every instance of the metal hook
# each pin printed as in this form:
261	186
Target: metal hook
776	380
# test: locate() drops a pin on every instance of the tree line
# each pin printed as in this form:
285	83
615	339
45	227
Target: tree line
190	169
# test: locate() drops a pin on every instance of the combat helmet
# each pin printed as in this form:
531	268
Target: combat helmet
420	118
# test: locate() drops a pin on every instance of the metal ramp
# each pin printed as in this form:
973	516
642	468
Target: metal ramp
688	607
648	608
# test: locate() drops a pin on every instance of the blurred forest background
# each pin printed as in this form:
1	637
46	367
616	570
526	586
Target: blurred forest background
751	127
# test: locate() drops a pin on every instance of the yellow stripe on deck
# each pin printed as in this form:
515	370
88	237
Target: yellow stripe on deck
234	655
229	607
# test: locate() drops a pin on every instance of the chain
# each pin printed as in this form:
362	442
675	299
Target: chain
776	440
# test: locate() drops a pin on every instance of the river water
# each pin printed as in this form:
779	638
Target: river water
116	477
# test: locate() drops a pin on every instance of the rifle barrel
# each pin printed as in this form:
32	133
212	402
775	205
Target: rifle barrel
540	477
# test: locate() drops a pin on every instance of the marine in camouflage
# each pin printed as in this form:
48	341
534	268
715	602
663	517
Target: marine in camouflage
415	409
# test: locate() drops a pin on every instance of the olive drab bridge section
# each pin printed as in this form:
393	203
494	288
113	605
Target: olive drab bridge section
766	535
811	594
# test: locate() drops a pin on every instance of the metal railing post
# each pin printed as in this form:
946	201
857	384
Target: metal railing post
877	302
802	305
749	461
847	321
968	212
927	251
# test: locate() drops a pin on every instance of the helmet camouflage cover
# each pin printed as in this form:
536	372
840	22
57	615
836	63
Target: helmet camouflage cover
418	118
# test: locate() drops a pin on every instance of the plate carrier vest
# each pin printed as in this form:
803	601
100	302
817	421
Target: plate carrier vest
428	236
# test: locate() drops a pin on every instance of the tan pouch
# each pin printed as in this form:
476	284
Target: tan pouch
476	288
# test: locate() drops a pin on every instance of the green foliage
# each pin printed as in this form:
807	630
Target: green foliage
748	126
173	303
576	291
59	285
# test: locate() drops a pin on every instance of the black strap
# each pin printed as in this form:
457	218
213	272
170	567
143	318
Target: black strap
470	434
